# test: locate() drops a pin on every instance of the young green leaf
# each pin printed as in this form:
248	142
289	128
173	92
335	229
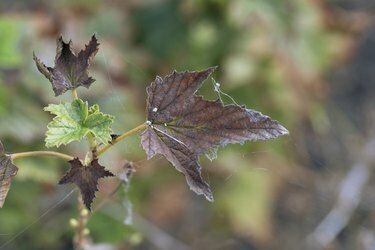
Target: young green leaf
183	126
70	71
94	109
7	171
86	178
74	120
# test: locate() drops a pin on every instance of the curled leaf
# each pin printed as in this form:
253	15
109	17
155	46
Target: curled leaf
183	126
7	171
86	178
70	71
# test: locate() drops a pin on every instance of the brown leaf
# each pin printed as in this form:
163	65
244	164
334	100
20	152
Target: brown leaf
7	171
184	159
70	71
182	126
86	178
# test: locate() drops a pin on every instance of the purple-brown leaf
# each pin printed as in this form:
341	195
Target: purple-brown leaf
182	126
7	171
86	178
70	71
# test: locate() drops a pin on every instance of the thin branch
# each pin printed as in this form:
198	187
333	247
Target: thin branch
122	137
41	153
80	240
93	148
157	236
348	200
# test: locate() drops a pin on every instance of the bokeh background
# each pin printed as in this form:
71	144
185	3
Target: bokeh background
309	64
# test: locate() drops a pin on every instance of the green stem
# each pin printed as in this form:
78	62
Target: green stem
122	137
75	94
41	153
91	141
93	148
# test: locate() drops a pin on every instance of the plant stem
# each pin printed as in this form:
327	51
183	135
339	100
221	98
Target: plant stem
122	137
75	94
41	153
81	232
80	239
92	145
91	141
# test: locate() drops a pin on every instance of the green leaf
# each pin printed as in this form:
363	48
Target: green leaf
100	126
94	109
74	120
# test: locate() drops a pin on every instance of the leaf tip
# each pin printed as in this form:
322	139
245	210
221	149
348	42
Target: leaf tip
199	186
205	191
212	68
209	197
282	130
94	39
209	71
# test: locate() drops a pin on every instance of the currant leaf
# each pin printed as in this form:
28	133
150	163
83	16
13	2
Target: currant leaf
86	178
70	71
7	171
75	120
183	126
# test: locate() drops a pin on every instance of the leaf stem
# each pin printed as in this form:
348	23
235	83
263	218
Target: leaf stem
122	137
93	148
91	141
41	153
75	94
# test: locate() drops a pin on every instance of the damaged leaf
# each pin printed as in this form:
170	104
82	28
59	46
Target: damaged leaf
86	178
183	126
7	171
70	71
74	120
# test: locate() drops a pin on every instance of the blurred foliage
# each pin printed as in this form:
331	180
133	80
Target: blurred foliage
276	56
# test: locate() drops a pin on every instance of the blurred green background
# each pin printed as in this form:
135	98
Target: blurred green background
310	64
